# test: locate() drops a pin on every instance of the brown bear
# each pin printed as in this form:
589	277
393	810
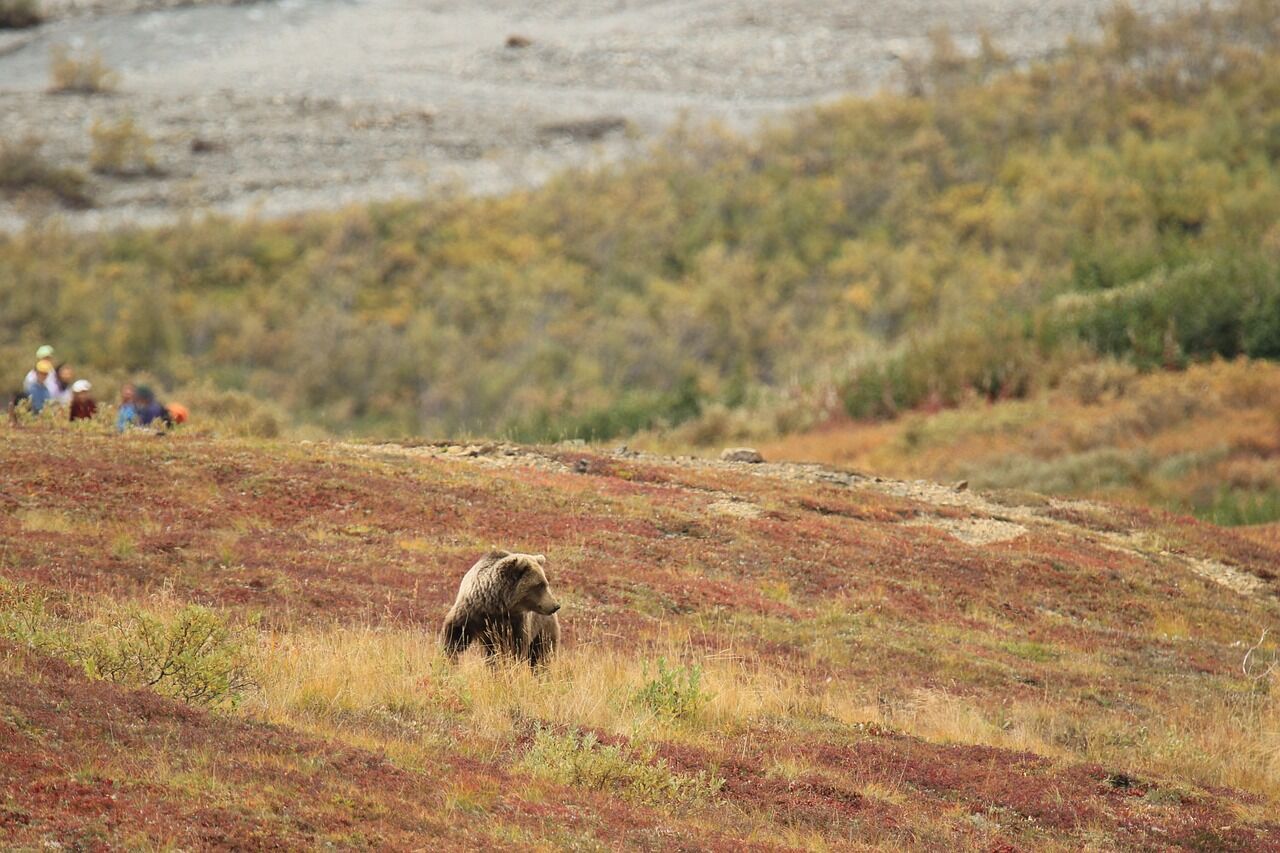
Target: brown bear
504	602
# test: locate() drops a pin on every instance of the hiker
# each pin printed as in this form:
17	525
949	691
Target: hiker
83	406
44	353
64	377
127	414
149	410
37	385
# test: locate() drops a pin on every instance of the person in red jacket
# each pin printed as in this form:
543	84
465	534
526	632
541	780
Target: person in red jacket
83	406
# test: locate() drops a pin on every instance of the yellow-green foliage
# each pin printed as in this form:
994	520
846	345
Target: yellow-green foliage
83	73
188	652
120	148
192	655
672	691
582	761
639	294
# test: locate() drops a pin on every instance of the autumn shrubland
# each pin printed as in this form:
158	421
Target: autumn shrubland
208	639
979	229
1202	440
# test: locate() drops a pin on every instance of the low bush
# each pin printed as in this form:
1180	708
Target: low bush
674	692
79	73
1090	471
191	654
1218	306
232	412
24	617
998	361
582	761
1098	381
121	149
1235	507
24	171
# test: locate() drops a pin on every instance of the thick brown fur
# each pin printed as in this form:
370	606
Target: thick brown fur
505	603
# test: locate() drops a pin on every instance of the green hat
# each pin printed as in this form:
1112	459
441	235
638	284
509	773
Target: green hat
44	351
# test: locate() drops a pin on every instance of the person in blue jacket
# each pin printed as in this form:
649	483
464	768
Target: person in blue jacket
127	414
150	410
36	386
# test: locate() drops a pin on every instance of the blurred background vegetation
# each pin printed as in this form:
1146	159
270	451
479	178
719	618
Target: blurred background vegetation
979	232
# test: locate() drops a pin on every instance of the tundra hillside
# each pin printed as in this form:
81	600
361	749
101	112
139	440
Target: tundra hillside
979	229
231	643
1205	441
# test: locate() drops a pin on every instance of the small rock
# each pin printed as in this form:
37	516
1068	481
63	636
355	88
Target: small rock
200	145
741	454
582	466
517	42
961	486
587	129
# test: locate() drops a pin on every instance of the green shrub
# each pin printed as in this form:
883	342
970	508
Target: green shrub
995	360
1077	473
1235	507
1262	325
1215	307
582	761
674	692
24	617
193	656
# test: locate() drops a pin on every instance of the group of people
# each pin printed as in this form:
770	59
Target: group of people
45	384
48	384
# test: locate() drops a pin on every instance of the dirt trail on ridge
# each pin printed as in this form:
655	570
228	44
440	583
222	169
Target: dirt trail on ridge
992	518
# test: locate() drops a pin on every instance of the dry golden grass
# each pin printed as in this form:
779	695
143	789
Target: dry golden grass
357	673
385	687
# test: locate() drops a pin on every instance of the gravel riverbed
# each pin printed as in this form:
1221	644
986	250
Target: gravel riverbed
275	107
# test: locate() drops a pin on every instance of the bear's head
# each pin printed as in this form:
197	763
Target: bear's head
526	577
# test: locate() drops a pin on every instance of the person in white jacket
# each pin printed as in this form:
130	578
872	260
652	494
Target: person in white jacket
50	379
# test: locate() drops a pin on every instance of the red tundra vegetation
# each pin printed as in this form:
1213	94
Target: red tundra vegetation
767	656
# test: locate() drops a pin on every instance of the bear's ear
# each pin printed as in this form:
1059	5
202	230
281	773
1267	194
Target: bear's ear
512	567
540	559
